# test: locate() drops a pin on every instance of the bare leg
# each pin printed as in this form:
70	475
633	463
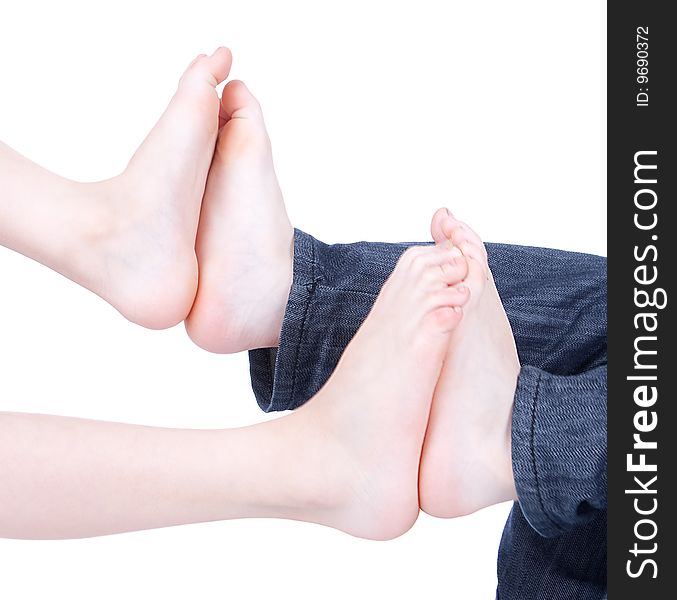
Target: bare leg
129	239
348	459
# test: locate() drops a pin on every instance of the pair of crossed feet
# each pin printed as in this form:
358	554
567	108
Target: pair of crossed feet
417	413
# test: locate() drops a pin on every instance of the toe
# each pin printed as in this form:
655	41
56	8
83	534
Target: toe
433	267
414	261
452	296
418	258
446	318
478	269
460	233
457	234
237	101
243	131
455	269
211	69
218	64
436	225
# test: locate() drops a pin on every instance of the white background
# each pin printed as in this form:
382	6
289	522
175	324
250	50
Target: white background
379	112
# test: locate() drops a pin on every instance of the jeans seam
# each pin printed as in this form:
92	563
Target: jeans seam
533	453
349	290
297	359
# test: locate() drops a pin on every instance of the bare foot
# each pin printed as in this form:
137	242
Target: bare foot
372	413
141	257
245	239
466	463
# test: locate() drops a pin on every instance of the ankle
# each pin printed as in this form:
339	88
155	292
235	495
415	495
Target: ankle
506	481
365	494
281	297
116	235
89	224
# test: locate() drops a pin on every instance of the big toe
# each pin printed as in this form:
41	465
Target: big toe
437	225
243	130
238	102
211	70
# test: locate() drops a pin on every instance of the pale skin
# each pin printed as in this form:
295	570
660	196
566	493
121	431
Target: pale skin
65	477
201	196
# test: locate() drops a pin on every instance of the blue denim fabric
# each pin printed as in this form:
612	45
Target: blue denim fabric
554	543
554	497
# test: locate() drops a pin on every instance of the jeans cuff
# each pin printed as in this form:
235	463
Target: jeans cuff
274	370
559	448
526	463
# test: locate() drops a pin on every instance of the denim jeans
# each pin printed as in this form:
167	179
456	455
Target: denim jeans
554	543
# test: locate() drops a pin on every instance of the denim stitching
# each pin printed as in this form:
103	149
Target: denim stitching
297	359
533	454
348	290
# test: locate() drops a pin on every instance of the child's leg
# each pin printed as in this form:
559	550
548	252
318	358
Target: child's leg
129	239
349	459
